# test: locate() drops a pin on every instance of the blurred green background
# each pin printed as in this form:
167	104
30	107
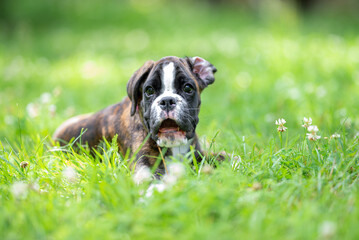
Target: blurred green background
275	59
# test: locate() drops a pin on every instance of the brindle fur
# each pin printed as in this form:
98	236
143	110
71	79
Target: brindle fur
125	119
116	119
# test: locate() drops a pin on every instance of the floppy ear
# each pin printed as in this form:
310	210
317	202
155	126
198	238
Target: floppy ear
133	85
204	71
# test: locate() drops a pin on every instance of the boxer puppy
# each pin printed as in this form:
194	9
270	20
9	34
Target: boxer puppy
163	102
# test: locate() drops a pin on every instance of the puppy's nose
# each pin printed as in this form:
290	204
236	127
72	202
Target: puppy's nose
168	103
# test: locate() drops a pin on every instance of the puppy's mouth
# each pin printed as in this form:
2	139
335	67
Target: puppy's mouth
168	127
170	134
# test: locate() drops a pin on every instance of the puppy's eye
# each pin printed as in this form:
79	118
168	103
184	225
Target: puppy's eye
188	88
149	91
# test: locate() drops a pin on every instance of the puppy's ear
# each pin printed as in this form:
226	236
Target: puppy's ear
204	71
133	85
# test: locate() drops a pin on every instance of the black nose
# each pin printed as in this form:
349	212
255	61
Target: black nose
168	103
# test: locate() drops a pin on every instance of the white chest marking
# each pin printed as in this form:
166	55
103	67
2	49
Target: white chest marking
180	151
168	77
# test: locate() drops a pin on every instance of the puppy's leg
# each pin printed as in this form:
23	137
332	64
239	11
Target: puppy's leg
147	162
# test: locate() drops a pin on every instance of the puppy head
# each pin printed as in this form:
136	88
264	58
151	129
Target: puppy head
167	96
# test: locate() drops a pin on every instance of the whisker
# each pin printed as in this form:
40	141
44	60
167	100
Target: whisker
189	116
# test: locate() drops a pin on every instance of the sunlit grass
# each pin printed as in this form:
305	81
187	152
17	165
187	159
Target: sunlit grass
280	186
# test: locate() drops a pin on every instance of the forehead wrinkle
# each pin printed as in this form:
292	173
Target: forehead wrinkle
168	77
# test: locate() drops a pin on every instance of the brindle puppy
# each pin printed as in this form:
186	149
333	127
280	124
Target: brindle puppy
163	102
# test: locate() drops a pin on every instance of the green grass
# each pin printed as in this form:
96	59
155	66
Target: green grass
271	64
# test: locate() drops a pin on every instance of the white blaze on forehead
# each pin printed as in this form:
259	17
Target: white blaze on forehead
168	77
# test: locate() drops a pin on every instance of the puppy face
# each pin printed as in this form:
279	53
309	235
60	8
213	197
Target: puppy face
169	98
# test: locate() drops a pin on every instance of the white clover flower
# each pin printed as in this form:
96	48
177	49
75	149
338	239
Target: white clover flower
159	187
307	122
70	174
176	169
143	174
45	98
280	123
19	189
170	180
313	129
9	120
335	135
312	135
35	186
52	110
327	229
281	129
32	110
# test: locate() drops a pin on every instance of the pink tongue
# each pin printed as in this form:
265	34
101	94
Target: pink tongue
168	129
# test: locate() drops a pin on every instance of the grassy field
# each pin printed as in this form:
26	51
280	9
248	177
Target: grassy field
59	59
